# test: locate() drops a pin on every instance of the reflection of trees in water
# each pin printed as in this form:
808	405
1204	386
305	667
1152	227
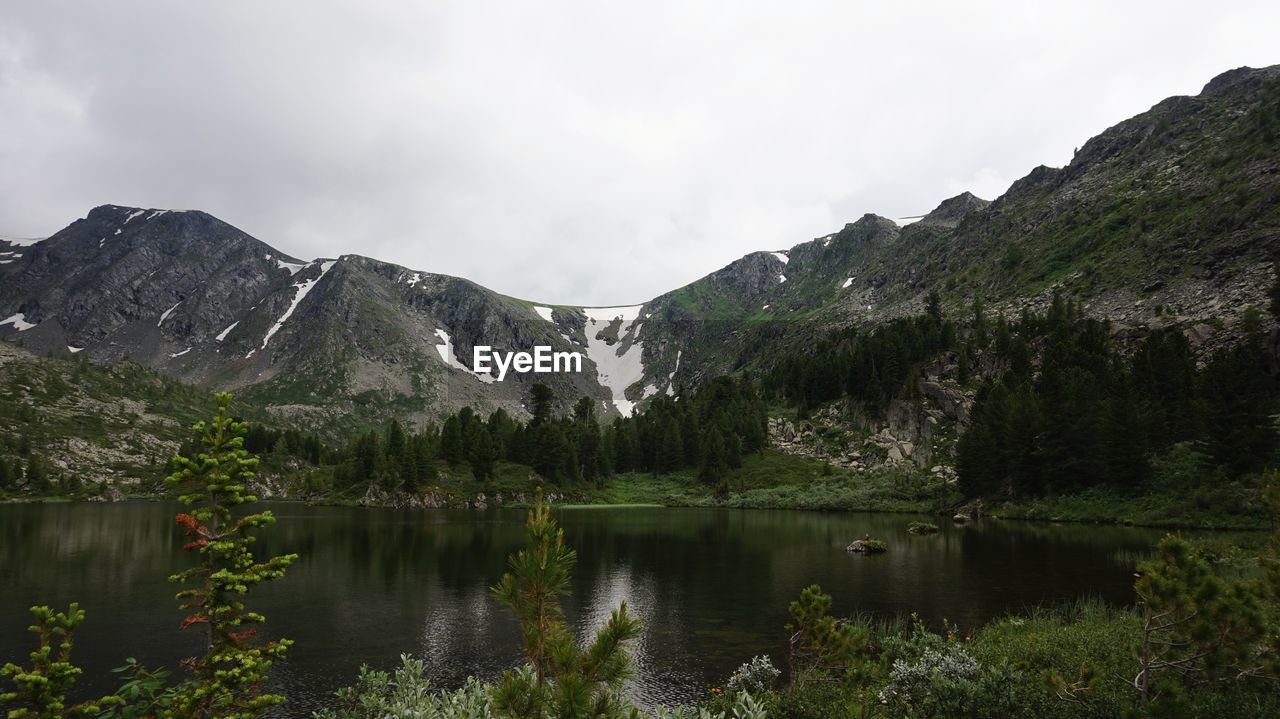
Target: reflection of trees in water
711	586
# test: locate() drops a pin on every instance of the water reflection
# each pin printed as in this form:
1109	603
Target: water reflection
711	586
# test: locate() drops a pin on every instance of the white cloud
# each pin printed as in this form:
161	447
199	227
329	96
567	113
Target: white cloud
594	153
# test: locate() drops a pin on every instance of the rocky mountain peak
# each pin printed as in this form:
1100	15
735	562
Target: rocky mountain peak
950	211
1241	79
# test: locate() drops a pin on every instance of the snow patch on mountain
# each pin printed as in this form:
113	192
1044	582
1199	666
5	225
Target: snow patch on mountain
292	267
18	320
781	256
74	350
446	353
133	215
618	365
223	334
413	280
179	354
782	278
671	378
300	291
543	312
165	315
846	283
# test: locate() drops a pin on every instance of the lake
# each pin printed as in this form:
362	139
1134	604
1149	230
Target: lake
711	585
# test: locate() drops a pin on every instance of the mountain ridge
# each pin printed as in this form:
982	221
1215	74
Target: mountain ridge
1167	217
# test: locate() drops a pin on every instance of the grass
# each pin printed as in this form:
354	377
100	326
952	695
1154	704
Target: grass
1151	509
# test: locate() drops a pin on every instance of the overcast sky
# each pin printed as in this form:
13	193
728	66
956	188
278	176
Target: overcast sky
572	152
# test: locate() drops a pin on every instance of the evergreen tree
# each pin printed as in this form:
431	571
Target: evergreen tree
452	448
1197	626
715	460
564	679
481	452
933	307
978	323
542	397
1238	399
586	429
37	475
229	675
40	691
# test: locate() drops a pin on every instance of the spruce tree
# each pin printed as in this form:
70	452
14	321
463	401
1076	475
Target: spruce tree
542	397
229	675
40	691
481	453
715	458
452	448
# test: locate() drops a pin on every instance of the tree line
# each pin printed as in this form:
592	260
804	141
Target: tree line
1066	409
709	431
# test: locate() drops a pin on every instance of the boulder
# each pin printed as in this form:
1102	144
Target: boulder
867	546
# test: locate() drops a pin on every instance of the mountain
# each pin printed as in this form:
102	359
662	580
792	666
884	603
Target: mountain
1169	217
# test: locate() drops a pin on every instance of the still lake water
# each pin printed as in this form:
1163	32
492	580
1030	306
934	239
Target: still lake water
711	585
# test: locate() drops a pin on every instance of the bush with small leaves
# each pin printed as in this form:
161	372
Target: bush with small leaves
947	682
743	706
408	693
757	675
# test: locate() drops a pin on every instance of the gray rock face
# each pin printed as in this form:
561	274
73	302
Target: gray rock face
330	343
341	343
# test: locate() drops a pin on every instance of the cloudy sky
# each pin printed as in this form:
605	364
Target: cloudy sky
575	152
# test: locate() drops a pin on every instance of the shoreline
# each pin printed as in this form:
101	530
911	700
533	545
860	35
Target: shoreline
1241	525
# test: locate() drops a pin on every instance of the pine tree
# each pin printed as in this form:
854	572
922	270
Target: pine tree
823	648
541	396
1197	627
481	452
978	323
933	307
563	679
229	676
37	475
587	439
715	460
451	444
1237	400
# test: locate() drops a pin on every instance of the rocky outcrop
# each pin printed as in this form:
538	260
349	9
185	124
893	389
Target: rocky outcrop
953	402
844	437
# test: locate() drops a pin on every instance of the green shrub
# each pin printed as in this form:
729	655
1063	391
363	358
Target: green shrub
408	693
